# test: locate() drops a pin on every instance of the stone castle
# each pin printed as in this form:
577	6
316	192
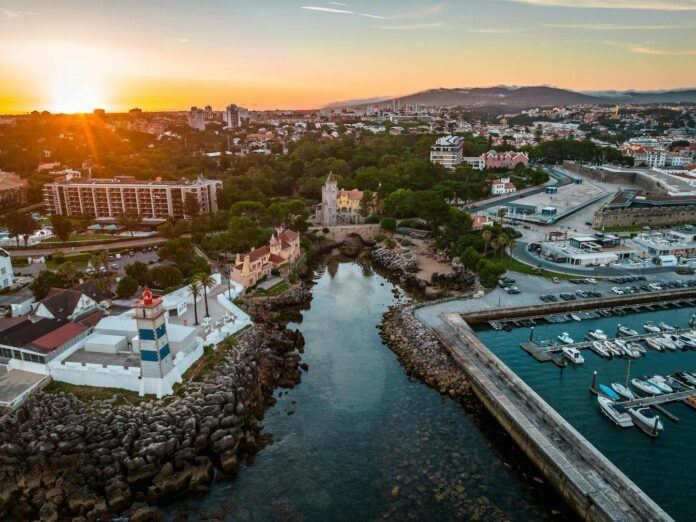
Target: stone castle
338	206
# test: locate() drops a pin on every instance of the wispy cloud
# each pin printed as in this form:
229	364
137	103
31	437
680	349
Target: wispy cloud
492	30
661	5
413	27
617	27
338	3
646	48
334	10
13	13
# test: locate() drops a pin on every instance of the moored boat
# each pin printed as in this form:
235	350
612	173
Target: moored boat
666	327
615	412
646	387
565	338
686	376
600	349
654	343
598	335
626	331
660	382
667	343
651	327
575	317
615	350
606	390
573	355
647	420
638	347
623	391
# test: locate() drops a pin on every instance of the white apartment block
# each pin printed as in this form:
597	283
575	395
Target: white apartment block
447	151
110	198
475	162
6	272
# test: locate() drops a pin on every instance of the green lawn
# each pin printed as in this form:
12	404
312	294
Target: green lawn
274	290
514	265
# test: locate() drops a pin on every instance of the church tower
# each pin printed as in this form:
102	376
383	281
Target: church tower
329	201
156	362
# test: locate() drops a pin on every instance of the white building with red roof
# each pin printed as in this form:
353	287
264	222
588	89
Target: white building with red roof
280	254
502	186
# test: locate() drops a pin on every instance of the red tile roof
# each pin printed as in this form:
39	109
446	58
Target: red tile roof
259	253
54	339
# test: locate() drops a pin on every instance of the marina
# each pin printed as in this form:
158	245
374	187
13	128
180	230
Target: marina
651	457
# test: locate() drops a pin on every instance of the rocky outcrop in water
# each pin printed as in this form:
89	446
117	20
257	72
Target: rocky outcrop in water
420	352
400	264
62	458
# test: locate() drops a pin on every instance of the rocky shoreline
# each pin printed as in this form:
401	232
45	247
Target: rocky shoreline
420	352
65	459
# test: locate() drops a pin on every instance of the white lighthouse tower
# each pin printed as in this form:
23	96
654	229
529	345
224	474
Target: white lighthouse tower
158	373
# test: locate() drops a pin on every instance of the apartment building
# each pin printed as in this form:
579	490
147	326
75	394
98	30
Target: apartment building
448	151
110	198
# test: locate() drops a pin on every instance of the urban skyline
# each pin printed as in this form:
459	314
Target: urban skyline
71	57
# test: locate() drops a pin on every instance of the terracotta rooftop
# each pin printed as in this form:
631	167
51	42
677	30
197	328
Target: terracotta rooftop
56	338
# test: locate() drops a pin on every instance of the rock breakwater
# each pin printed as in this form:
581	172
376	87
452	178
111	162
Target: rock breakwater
63	458
420	352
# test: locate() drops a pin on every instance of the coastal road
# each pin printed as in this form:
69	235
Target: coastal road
114	245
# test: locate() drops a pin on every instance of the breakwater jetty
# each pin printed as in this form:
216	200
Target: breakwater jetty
591	484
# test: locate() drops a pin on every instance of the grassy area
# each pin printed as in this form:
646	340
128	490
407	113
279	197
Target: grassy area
514	265
88	393
274	290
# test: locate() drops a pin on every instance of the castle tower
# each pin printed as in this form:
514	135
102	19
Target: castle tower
156	362
329	201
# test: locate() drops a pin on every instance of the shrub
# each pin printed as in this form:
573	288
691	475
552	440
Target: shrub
388	224
126	287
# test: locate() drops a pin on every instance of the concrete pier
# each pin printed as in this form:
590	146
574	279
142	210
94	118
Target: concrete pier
594	487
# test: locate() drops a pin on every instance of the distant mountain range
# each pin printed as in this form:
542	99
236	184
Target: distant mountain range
525	97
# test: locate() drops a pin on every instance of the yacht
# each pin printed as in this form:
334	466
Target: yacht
626	331
659	382
687	377
615	412
646	387
598	335
615	350
638	347
667	343
600	349
676	341
573	355
687	342
622	390
647	420
654	343
575	317
665	327
565	338
651	327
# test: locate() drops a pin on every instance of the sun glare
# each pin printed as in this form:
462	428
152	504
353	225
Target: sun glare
75	97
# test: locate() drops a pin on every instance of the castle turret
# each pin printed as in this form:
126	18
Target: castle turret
329	201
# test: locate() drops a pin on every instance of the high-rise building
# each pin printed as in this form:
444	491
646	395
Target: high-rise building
447	151
208	112
196	118
156	362
233	116
110	198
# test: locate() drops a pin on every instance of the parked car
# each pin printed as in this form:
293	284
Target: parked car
552	298
512	290
617	290
556	280
115	266
655	286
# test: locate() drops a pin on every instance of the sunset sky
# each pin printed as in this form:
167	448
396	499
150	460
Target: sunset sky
71	55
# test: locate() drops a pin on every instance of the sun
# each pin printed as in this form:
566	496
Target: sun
74	97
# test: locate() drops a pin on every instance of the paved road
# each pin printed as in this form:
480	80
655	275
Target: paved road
115	245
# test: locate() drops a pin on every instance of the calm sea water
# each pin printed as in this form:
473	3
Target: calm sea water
663	467
358	440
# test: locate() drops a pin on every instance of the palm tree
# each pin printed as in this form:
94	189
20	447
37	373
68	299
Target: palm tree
486	235
501	214
195	288
206	281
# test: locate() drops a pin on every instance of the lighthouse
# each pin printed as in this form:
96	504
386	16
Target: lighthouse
158	373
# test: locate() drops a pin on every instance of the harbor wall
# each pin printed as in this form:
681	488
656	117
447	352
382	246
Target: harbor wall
593	486
482	316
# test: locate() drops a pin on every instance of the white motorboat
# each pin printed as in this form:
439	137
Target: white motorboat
661	383
614	412
627	348
676	341
667	343
573	355
686	376
651	327
666	327
622	390
687	341
565	338
654	343
626	331
615	350
600	349
646	387
598	335
647	420
639	347
575	317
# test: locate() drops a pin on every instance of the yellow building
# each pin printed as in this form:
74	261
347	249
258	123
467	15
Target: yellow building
280	253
